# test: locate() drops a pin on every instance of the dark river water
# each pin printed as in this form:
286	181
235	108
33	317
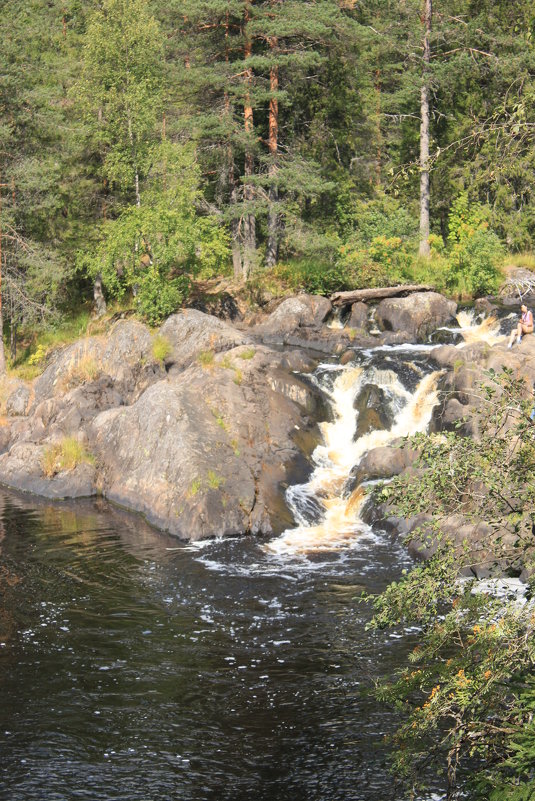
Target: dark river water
132	667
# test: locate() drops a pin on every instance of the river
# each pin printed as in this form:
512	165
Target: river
133	667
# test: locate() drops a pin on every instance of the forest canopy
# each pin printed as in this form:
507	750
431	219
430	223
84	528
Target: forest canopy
144	144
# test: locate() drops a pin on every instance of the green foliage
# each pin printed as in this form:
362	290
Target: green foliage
214	480
38	356
247	353
120	88
206	358
383	217
158	296
317	277
475	263
476	253
154	249
471	690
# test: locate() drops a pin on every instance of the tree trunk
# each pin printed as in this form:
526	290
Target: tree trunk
424	133
249	220
98	295
134	159
272	248
379	133
13	340
230	178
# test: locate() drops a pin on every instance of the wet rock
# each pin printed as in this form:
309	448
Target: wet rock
450	356
347	356
383	462
447	416
486	306
371	405
21	468
203	456
358	317
418	315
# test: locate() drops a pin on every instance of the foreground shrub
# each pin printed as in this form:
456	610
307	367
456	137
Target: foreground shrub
467	695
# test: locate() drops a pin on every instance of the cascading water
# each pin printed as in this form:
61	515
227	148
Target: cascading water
326	519
487	330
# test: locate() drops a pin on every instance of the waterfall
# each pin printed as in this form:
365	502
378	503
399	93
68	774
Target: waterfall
326	520
488	330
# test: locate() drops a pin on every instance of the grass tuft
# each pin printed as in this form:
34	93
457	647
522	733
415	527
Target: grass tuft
161	348
66	454
206	358
83	371
247	354
214	481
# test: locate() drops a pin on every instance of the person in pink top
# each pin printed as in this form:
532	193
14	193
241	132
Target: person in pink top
525	326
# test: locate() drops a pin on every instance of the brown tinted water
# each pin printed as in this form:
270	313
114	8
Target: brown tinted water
130	671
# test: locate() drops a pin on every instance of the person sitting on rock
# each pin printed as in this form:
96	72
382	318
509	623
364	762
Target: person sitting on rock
525	326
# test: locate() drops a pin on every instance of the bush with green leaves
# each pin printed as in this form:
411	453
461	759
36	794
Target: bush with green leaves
467	695
154	249
315	276
475	252
475	263
381	216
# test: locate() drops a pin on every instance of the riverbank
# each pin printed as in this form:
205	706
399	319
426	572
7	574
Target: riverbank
201	425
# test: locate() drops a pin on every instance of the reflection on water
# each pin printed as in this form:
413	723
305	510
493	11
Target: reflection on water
139	669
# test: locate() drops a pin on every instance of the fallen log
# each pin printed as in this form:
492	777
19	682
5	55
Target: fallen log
354	295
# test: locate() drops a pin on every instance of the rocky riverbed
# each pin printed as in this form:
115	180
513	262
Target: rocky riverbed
202	439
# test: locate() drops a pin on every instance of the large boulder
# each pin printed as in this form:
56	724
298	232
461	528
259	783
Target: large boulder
297	312
383	462
125	356
418	314
204	455
22	468
191	333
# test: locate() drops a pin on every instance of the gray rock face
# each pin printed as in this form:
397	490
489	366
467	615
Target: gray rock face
383	462
299	312
193	455
17	403
21	468
299	322
191	333
418	315
200	450
358	317
125	356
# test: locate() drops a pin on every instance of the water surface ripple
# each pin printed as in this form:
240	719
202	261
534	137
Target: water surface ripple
134	668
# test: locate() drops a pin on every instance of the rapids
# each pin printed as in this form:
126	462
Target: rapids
327	519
